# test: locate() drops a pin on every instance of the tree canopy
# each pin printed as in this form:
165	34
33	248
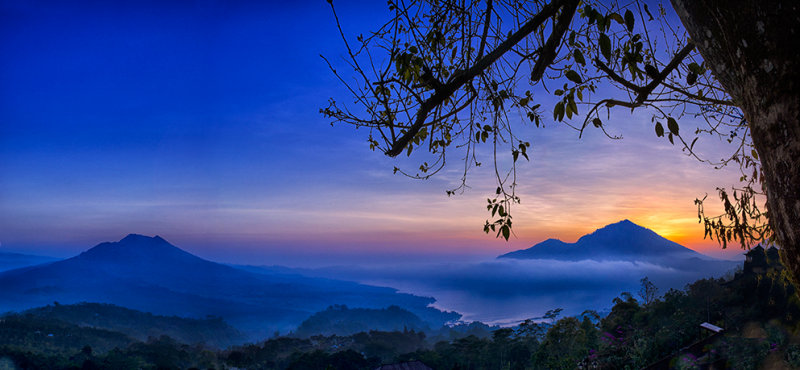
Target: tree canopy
446	77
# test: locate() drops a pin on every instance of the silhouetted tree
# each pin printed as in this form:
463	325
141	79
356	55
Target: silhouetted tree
445	76
648	291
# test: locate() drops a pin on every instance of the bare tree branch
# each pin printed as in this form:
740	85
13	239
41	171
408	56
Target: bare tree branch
462	77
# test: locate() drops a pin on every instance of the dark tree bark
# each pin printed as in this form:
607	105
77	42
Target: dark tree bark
752	47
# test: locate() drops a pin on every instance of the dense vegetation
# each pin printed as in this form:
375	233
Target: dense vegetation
341	320
758	309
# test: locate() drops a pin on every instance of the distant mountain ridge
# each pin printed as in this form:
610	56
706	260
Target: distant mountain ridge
150	274
623	240
10	261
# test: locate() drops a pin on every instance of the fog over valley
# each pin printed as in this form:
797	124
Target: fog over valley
506	291
151	274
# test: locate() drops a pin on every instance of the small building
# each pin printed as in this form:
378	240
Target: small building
755	261
711	327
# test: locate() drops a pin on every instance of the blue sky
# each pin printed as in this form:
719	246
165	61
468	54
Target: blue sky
198	121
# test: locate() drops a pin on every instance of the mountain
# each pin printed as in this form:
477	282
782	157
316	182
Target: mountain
625	241
10	261
150	274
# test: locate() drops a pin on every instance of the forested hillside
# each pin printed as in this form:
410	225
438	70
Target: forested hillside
211	331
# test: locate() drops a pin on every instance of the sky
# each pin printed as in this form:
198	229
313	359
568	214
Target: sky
198	121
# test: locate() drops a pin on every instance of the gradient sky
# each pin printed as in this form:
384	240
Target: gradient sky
198	121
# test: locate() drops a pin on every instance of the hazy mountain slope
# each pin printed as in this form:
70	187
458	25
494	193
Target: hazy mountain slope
10	261
149	274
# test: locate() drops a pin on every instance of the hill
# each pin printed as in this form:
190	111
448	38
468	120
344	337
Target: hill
343	321
211	331
149	274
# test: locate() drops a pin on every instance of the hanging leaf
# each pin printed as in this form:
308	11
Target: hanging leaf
605	46
558	111
616	17
574	76
647	10
691	78
629	20
572	105
579	57
659	129
672	124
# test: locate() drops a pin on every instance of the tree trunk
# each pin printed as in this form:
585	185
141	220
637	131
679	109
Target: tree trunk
752	47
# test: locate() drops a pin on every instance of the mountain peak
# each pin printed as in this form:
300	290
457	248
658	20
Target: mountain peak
621	229
135	247
624	224
138	238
